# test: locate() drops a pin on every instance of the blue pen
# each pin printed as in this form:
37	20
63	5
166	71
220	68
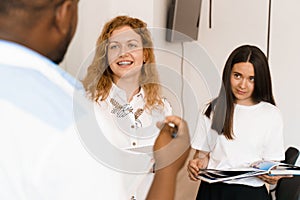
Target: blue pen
174	134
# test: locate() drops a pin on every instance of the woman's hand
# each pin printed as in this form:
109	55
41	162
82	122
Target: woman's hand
200	161
272	179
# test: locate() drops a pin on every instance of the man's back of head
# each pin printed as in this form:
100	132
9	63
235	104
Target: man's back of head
46	26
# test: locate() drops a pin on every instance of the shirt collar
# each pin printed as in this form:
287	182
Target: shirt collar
121	94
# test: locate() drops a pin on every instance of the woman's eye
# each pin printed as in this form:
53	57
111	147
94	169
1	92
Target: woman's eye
132	45
251	79
113	46
237	76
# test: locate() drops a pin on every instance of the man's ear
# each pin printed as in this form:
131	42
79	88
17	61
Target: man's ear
63	16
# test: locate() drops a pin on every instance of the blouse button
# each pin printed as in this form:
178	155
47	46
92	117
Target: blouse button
133	143
132	126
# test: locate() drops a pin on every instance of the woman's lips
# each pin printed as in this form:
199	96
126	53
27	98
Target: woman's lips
124	63
241	92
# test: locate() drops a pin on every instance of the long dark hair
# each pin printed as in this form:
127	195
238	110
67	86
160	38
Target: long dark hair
220	110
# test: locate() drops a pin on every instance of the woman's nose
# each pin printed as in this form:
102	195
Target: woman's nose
243	83
123	51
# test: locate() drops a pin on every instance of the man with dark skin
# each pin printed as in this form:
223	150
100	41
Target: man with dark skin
38	140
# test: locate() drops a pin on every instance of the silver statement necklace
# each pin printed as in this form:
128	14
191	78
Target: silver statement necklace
123	110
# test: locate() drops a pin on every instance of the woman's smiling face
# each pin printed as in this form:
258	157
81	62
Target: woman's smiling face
125	53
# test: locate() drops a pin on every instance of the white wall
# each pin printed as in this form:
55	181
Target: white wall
285	62
235	22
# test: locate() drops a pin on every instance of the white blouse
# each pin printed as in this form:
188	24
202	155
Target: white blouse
130	127
116	118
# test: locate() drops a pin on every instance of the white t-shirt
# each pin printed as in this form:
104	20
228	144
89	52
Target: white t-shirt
258	134
130	130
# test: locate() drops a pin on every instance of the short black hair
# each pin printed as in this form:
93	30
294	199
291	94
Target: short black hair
7	6
25	12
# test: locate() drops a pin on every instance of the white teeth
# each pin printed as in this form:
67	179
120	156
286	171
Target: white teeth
124	63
